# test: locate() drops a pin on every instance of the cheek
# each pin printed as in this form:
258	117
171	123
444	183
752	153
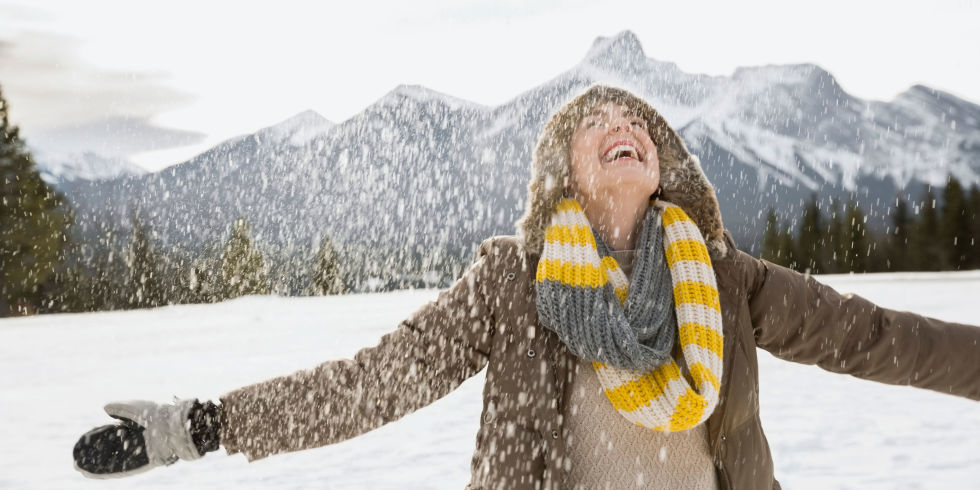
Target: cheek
581	142
653	156
655	167
582	158
581	170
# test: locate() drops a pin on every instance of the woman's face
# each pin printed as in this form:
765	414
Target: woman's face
612	152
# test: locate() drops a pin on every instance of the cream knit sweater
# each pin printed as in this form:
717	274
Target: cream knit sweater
606	451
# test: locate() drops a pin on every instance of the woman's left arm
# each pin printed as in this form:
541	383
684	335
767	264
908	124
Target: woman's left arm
797	318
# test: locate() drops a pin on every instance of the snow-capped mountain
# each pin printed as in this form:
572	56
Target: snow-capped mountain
833	137
419	170
796	124
58	168
299	129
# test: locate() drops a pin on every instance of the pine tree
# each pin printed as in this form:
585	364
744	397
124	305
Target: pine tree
974	227
107	284
779	246
242	266
898	238
185	283
856	238
925	236
787	249
146	271
74	280
810	245
955	227
198	283
835	249
34	226
771	239
327	275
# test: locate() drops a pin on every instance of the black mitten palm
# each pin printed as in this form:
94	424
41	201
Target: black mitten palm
148	435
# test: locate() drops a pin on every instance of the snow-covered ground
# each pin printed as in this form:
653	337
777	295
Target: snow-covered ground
56	372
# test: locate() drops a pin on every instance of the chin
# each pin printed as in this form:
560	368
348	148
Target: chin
633	187
634	178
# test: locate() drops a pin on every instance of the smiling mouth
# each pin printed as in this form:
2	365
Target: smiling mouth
621	151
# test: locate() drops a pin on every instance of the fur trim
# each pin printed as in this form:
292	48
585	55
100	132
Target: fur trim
681	178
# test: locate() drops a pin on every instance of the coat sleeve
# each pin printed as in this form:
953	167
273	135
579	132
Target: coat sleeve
427	356
799	319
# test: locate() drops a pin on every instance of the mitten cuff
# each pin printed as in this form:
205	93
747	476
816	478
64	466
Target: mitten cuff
206	426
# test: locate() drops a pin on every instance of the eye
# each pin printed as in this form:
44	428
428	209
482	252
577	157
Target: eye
639	123
595	122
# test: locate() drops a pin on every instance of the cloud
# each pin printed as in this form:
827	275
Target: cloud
61	101
112	136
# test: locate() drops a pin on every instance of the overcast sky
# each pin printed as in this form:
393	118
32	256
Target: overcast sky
167	80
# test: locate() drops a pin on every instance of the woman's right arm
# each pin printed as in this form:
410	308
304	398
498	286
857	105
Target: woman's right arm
427	356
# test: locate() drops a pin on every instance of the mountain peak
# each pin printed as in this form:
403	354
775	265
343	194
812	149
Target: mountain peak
943	105
811	77
304	118
423	94
926	93
299	128
415	91
623	44
621	54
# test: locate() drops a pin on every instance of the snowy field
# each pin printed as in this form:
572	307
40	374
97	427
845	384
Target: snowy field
56	372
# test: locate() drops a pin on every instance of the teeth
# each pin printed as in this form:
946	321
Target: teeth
625	149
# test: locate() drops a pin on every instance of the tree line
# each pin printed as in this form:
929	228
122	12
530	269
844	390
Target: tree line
933	234
140	274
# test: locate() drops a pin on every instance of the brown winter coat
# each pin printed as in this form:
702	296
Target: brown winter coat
488	320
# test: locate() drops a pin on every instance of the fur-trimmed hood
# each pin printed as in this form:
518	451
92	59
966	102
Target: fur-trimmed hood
681	178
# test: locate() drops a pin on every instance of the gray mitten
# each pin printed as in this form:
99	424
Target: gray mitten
149	435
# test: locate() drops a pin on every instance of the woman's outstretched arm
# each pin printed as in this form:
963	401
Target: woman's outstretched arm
800	319
430	354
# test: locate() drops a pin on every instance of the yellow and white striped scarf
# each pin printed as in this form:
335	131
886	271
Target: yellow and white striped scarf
661	399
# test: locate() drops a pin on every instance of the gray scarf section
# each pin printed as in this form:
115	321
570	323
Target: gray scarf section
638	335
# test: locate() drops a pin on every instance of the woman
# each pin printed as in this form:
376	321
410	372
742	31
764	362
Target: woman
620	321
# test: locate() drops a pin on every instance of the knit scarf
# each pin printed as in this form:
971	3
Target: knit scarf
586	299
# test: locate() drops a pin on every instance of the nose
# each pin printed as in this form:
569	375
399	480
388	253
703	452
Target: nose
620	124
